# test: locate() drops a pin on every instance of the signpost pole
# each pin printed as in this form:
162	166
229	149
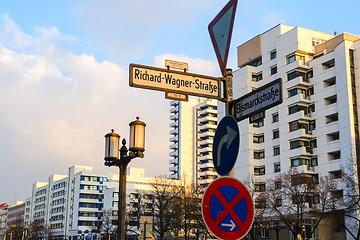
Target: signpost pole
229	97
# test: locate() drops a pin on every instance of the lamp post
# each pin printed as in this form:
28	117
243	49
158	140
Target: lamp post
112	158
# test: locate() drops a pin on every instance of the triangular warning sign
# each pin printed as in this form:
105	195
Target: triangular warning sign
220	30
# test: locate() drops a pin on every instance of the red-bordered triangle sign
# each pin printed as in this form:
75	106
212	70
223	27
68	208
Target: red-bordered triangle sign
220	30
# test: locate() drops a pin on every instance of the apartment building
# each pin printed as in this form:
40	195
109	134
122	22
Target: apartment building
193	126
315	128
72	205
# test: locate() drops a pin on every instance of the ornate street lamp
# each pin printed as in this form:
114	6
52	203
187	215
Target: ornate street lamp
137	148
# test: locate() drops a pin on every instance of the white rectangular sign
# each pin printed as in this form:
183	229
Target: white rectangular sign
174	81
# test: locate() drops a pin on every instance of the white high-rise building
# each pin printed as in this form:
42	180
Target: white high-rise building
315	129
193	126
72	205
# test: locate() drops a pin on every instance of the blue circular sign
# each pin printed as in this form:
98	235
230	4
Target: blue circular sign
226	145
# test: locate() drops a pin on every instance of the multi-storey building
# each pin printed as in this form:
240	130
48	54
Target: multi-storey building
193	125
72	205
315	128
3	219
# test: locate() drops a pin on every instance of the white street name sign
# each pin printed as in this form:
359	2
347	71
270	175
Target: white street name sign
174	81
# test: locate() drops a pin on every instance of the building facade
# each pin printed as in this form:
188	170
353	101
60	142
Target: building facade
72	205
193	125
315	129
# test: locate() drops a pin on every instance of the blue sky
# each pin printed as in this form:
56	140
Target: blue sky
64	73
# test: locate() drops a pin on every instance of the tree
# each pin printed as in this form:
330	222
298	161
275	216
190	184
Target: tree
164	193
346	204
16	229
107	226
295	199
37	230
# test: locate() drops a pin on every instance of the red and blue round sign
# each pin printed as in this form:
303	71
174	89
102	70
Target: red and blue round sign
228	209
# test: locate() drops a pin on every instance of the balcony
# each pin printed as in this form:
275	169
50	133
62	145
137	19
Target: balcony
206	141
174	131
298	81
173	154
305	151
174	146
208	118
173	139
173	161
174	103
207	157
174	124
207	126
173	169
174	117
206	149
208	110
206	165
174	109
205	134
299	98
301	132
305	169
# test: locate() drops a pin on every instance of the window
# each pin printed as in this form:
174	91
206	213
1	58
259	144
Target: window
331	118
298	124
259	187
299	161
329	82
278	202
290	59
314	162
294	74
276	134
258	138
259	154
258	123
294	57
334	155
260	203
276	150
259	170
256	77
335	174
273	54
295	91
329	64
330	100
337	194
277	167
297	108
275	117
273	70
277	184
332	136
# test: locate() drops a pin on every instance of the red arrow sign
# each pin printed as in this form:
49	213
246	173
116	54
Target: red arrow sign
220	30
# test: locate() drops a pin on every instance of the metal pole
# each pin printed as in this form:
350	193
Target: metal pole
122	200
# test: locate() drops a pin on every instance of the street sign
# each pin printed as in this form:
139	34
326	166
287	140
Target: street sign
257	101
227	208
174	81
176	65
176	96
226	145
220	29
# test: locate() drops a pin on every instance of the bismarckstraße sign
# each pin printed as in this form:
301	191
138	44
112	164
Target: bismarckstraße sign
174	81
257	101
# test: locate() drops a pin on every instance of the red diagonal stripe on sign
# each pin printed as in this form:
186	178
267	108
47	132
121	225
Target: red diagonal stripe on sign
229	208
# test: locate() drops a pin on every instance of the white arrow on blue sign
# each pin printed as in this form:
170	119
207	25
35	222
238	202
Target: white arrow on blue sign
226	145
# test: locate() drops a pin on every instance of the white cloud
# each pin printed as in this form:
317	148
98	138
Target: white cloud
56	107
